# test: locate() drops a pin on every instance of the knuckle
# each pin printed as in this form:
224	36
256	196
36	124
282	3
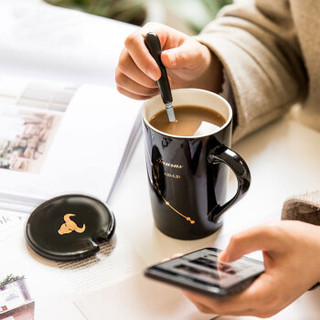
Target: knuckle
144	91
148	93
150	85
235	239
201	57
203	309
130	40
120	90
182	57
120	79
123	62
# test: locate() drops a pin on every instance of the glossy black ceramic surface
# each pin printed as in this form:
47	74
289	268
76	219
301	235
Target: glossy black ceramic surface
69	227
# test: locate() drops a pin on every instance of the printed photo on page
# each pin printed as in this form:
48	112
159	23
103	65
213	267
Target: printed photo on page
15	300
28	122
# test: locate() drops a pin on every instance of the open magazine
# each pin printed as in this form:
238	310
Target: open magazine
64	128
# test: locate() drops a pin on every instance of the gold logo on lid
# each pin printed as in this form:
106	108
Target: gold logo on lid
70	225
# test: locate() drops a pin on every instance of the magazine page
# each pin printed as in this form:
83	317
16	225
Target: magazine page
58	134
47	42
57	139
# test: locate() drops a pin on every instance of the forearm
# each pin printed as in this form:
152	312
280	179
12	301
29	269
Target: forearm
262	60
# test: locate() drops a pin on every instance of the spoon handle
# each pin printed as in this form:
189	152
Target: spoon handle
153	44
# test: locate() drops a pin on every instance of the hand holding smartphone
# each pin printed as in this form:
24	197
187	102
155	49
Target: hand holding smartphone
201	271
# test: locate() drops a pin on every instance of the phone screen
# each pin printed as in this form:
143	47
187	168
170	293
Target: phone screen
201	270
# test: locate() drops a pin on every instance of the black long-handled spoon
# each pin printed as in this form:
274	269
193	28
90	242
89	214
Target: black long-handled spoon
153	44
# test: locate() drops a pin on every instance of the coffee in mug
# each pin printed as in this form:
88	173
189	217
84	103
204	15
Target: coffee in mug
191	121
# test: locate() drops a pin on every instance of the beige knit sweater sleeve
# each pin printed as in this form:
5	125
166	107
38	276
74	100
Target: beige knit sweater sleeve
258	47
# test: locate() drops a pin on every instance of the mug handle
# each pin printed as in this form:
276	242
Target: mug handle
223	154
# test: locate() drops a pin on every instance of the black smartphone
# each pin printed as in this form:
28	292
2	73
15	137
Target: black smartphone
201	271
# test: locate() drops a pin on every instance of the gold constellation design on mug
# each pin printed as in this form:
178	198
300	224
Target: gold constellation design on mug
157	189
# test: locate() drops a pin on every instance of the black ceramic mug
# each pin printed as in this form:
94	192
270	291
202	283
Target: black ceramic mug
188	176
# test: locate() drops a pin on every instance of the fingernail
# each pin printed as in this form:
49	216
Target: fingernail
223	256
172	61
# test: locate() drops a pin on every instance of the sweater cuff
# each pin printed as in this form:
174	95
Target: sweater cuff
304	207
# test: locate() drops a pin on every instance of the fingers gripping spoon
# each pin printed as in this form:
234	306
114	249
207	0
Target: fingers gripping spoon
153	44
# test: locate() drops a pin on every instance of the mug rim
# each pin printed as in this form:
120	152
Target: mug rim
226	103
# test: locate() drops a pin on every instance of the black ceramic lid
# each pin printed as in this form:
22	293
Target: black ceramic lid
69	227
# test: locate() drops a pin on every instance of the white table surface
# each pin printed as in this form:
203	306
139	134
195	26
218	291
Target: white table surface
284	160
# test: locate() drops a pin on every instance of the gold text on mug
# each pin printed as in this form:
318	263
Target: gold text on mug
70	225
168	164
172	175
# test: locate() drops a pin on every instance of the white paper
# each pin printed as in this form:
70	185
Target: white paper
48	42
144	298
